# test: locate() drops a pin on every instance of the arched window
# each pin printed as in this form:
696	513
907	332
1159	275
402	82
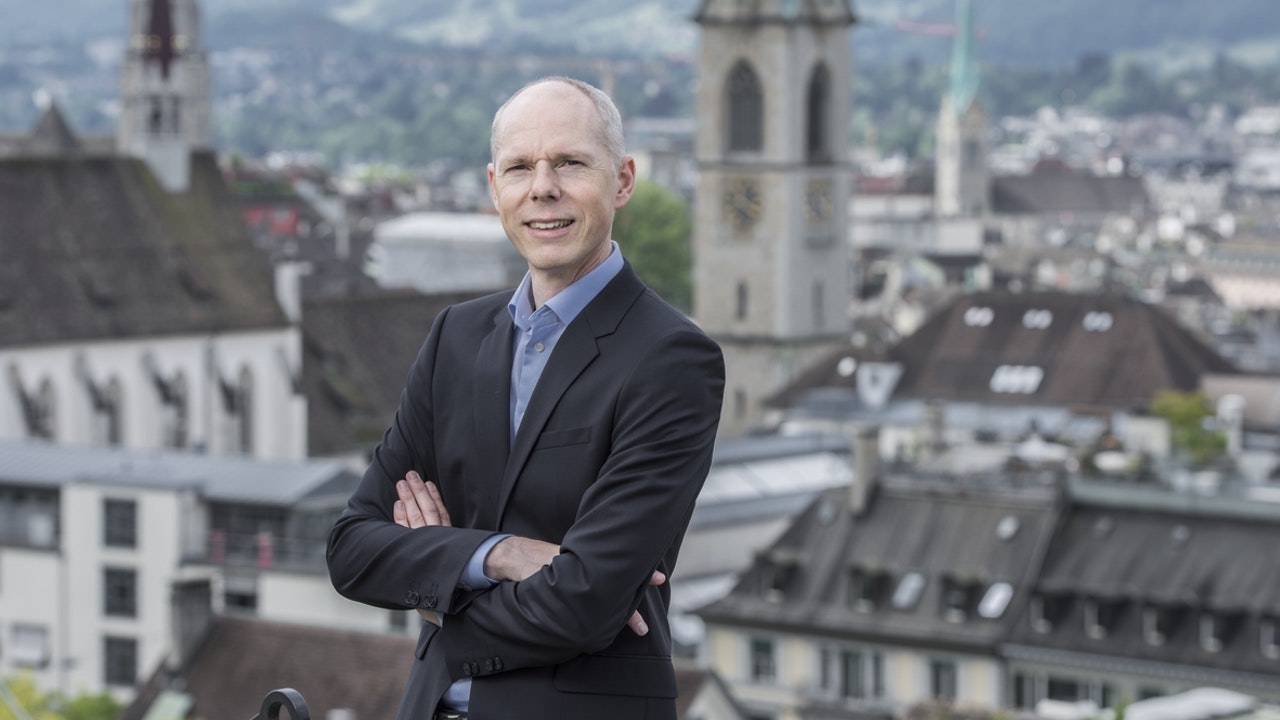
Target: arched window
745	111
173	410
42	417
237	402
818	135
107	423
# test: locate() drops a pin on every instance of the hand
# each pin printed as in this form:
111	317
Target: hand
516	558
420	505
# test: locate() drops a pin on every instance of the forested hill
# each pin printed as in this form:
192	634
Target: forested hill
1036	32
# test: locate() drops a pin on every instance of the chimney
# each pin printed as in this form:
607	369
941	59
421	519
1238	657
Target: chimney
866	468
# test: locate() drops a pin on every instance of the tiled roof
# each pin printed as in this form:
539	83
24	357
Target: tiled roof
945	534
242	660
1038	348
93	248
1209	556
356	355
1063	190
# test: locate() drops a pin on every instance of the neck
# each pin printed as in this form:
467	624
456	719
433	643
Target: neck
546	284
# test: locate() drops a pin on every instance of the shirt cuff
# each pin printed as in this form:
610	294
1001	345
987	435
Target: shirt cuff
473	577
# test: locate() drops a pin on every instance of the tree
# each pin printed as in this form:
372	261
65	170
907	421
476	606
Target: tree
1187	415
39	705
654	231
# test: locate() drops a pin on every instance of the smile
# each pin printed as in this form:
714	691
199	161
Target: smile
549	224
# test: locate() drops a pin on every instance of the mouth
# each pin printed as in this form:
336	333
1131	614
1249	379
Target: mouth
548	224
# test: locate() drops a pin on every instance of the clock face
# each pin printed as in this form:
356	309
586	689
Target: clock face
818	202
741	202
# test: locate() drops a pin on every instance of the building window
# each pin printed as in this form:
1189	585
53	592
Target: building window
37	408
818	137
866	589
955	600
120	592
1064	689
852	675
819	306
1099	617
745	109
1156	622
942	680
741	305
29	645
120	523
120	661
764	669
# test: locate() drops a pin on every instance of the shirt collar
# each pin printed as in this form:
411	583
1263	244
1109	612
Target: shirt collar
567	303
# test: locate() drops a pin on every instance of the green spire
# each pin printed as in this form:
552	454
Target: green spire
964	73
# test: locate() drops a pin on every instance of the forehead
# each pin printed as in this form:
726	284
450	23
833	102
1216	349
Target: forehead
551	118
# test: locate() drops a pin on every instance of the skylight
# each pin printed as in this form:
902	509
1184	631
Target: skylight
1097	321
995	600
979	316
1037	319
907	594
1016	379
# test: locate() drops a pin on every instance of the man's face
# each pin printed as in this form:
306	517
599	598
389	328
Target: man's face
554	184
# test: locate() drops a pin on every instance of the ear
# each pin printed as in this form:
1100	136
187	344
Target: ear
493	191
626	181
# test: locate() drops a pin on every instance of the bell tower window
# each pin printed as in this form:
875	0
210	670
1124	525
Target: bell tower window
745	114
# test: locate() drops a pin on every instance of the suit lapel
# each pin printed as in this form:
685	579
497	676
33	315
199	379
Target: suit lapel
576	349
492	403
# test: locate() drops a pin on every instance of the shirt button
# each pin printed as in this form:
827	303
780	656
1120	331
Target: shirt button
539	346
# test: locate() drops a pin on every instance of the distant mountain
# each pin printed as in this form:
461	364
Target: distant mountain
1053	33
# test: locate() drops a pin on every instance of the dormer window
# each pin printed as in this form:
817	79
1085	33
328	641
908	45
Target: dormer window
1100	617
1269	639
956	600
1157	621
776	571
1046	610
866	589
1210	633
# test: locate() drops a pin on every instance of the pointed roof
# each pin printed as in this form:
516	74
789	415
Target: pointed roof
95	248
51	135
964	73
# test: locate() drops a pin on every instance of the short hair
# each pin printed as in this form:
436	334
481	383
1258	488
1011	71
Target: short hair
610	119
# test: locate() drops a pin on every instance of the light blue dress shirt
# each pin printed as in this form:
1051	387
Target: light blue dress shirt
536	333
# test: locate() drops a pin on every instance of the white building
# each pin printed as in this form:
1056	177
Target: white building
98	544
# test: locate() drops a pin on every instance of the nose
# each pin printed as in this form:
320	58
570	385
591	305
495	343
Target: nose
546	185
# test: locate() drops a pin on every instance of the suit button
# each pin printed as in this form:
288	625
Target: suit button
412	598
497	663
429	601
488	666
466	669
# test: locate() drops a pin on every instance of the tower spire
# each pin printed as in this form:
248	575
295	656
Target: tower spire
964	75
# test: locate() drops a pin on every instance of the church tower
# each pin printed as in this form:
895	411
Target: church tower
962	181
166	105
771	254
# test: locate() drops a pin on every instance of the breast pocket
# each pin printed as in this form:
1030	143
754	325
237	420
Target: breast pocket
563	438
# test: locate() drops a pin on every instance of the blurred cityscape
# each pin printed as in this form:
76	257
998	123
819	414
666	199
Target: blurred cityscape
1001	435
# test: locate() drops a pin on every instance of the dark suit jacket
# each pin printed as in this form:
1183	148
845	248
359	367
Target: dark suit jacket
609	458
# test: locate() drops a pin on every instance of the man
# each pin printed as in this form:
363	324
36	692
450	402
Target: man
539	474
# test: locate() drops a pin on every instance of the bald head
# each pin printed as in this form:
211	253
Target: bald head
608	125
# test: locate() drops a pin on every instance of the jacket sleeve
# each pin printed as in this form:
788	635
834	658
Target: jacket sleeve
632	517
371	559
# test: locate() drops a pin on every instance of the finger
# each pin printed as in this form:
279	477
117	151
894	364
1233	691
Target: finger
399	514
412	512
657	578
430	513
438	499
637	625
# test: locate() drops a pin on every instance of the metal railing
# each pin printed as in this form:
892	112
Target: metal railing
286	698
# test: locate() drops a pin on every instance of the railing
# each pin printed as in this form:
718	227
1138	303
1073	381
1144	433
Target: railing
286	698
